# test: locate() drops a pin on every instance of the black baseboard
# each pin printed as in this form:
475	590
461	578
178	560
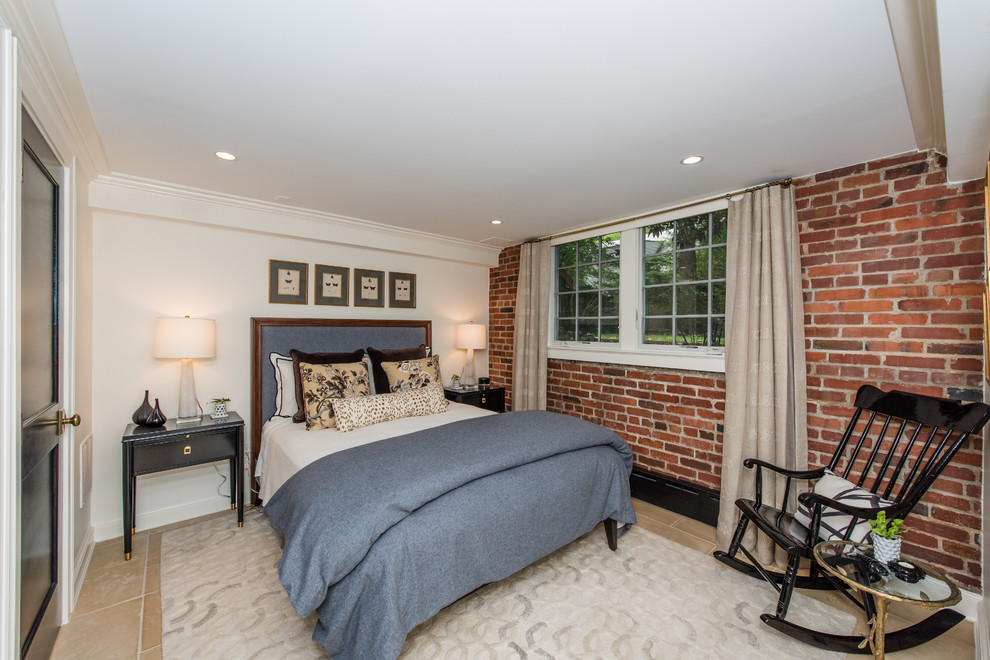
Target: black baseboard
689	500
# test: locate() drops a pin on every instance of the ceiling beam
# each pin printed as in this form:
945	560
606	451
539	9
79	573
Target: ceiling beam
914	28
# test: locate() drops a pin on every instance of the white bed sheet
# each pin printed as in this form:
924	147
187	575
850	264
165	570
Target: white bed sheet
287	447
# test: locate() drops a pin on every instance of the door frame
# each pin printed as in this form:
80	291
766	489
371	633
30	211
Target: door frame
10	417
12	98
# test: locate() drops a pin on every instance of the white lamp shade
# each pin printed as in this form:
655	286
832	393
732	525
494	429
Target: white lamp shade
469	335
181	338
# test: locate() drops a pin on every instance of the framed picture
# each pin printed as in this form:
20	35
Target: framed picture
287	282
331	285
401	290
369	288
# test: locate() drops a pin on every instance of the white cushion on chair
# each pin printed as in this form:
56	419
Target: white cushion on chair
835	523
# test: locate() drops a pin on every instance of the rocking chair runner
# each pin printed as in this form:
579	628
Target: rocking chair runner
891	460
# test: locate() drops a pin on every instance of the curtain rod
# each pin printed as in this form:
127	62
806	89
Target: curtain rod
779	182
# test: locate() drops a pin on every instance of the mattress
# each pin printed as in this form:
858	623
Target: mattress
287	447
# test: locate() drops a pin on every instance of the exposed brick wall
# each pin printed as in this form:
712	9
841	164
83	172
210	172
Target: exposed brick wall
503	282
669	417
892	260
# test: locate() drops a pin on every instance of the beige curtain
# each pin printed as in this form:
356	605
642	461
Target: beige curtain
529	359
765	379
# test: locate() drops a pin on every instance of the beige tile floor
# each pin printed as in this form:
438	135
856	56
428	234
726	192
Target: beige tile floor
119	610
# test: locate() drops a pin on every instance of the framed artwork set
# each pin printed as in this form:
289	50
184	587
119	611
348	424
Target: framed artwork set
332	285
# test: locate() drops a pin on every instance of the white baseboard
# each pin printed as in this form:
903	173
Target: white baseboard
151	519
82	565
982	631
970	605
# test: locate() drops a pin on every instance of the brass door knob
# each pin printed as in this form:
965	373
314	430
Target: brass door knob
61	421
64	421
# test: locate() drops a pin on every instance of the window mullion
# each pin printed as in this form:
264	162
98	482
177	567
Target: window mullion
630	289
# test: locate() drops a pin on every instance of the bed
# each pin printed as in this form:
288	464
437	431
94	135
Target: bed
385	525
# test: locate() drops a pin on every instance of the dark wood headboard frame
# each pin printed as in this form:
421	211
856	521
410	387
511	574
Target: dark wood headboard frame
318	335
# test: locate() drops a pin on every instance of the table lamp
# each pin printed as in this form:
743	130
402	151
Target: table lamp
471	337
186	339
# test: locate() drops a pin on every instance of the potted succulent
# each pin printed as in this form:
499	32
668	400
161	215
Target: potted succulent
455	381
886	542
219	407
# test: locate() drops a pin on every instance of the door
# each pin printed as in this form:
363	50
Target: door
41	412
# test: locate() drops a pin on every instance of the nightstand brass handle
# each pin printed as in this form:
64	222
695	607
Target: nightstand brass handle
186	450
484	400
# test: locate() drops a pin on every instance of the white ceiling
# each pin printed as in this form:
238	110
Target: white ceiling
439	115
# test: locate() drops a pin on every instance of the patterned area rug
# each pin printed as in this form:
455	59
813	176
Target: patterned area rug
654	598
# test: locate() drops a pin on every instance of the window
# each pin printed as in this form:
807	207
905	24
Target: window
588	290
657	301
684	281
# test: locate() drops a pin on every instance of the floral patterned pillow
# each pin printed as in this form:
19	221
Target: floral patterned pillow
412	374
322	383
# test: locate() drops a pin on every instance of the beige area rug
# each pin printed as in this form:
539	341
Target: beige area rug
654	598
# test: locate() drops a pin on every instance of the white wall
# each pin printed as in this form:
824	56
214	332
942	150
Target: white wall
146	267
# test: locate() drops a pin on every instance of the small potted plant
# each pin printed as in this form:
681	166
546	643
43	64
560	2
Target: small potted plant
455	381
886	542
219	407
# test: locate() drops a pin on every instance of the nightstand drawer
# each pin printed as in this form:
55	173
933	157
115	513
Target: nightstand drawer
489	398
494	400
193	449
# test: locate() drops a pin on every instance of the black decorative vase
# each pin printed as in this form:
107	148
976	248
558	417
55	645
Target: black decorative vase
157	417
143	413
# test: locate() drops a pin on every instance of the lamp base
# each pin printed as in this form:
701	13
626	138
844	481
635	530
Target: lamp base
467	376
189	410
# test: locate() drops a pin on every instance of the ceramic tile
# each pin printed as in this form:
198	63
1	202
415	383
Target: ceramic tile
152	654
155	548
111	582
152	578
690	540
651	525
111	553
646	510
151	625
106	634
696	528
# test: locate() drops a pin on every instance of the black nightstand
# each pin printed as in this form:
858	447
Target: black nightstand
489	398
149	449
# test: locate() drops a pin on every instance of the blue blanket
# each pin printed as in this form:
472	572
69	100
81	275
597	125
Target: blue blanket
381	537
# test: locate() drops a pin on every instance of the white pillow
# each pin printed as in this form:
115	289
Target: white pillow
357	412
367	365
285	386
835	523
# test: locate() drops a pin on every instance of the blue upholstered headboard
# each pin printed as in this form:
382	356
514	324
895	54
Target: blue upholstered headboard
316	336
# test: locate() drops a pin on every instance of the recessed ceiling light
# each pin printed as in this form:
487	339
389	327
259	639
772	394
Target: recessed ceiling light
496	221
692	160
226	156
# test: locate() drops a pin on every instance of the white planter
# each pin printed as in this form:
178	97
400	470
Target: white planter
219	410
886	550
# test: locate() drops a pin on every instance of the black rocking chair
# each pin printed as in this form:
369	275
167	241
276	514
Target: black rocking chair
905	443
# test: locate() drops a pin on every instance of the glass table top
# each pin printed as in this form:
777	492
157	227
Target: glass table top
851	562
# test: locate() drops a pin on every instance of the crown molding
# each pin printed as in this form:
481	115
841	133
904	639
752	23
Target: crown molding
50	85
134	195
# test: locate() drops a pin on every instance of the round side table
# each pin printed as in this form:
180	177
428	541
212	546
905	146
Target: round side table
846	561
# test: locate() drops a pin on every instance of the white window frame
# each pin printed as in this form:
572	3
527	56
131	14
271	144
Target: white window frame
630	349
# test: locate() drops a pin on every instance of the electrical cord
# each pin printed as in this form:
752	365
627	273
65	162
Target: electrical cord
223	480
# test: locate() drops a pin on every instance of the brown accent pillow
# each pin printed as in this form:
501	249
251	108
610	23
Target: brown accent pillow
316	358
390	355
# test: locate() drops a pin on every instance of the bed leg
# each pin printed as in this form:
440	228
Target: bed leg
612	533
